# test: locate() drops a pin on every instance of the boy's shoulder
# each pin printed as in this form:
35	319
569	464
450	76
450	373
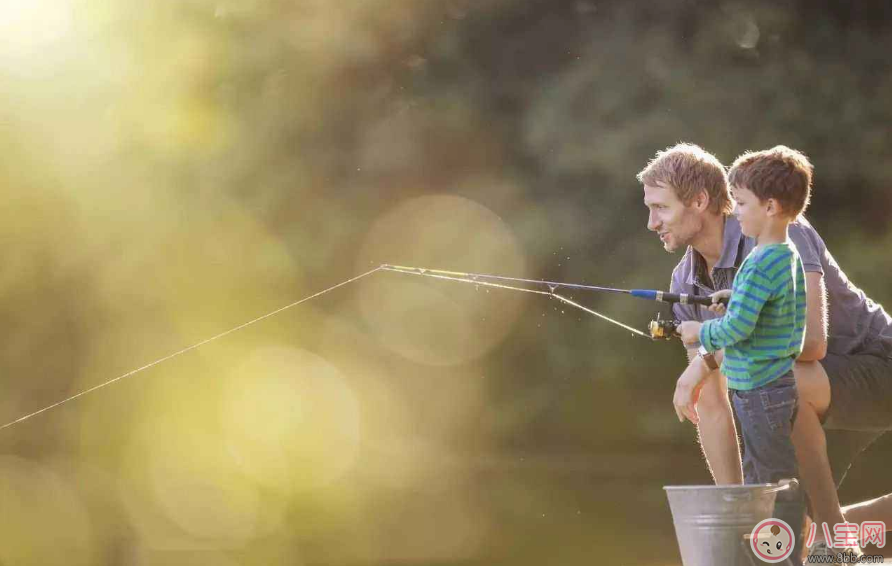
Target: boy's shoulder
767	258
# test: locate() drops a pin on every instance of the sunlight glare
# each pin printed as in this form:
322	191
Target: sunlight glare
29	25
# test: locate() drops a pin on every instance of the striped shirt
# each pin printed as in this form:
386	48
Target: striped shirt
763	328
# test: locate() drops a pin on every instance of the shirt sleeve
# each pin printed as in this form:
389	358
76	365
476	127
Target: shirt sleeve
808	244
751	291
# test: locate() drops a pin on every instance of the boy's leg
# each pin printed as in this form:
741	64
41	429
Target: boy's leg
766	418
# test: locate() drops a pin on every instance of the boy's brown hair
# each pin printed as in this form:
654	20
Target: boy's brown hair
780	173
689	169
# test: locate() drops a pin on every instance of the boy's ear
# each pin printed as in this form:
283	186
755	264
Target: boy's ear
773	208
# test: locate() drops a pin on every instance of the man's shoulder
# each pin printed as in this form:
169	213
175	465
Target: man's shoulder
802	225
808	243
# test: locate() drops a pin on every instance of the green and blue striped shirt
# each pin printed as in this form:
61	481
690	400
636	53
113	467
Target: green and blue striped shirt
763	329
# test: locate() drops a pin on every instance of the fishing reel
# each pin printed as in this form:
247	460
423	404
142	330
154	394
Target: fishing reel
663	329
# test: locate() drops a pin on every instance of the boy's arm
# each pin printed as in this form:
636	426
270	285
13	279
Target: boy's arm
751	291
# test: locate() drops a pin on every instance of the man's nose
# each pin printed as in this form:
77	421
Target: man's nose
652	222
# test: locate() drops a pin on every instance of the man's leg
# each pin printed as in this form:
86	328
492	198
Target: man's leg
717	434
879	509
811	442
843	446
855	409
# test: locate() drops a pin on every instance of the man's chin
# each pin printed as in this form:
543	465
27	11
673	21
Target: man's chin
670	247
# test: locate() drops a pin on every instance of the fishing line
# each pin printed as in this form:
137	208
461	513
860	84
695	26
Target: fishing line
188	349
477	276
439	274
436	274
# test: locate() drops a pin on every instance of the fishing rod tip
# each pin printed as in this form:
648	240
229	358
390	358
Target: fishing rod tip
401	268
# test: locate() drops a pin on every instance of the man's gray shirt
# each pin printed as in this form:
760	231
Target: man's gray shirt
856	323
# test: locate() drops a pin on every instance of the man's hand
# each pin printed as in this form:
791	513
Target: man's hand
687	391
717	307
690	331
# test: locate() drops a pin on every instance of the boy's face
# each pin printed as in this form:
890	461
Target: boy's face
750	211
676	223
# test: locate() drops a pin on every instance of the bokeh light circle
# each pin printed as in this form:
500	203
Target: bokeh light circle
440	322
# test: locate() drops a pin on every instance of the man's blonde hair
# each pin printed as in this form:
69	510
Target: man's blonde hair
689	169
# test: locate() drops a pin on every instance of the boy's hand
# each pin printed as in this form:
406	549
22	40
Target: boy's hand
717	307
687	392
690	331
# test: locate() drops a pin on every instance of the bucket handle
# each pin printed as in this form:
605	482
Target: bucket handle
791	484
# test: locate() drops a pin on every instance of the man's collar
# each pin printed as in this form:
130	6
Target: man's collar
730	242
730	249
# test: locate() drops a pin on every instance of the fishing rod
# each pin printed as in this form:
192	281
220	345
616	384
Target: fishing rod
659	328
651	294
455	276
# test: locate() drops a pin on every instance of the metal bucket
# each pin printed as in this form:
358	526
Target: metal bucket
713	523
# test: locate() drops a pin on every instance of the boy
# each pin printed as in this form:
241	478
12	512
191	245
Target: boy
763	329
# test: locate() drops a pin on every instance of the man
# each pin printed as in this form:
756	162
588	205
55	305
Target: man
844	374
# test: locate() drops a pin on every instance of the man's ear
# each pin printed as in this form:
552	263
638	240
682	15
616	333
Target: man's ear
701	201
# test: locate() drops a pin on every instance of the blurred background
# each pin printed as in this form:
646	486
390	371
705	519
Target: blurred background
172	169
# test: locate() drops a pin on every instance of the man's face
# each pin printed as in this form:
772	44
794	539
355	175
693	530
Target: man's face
676	223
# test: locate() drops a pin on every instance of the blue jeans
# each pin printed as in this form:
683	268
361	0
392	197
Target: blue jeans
766	416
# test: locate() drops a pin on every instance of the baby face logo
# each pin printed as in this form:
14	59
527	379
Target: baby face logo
772	540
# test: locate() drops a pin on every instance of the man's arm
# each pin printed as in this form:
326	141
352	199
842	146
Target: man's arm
815	347
811	251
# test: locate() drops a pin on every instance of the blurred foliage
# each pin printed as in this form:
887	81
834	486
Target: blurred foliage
173	169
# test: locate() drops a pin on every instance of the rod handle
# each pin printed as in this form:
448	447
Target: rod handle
683	298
